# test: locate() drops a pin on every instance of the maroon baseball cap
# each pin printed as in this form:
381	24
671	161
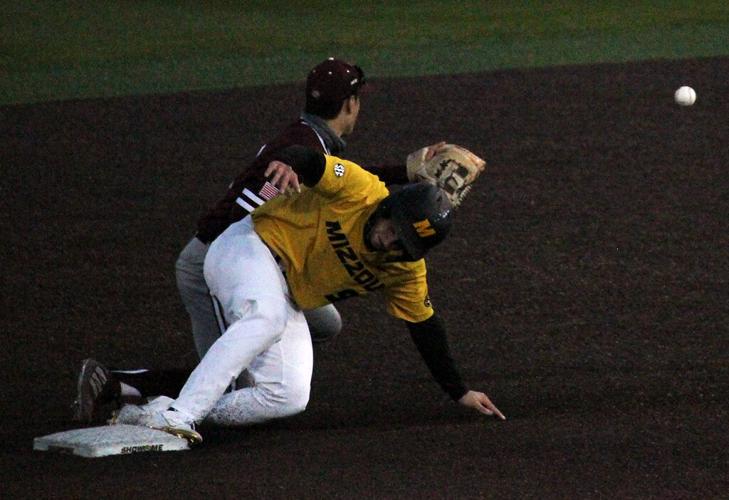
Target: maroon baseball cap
333	80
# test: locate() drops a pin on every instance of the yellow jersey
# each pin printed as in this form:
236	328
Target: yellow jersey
319	236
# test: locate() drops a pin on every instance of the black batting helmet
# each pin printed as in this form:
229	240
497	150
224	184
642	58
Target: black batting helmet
422	216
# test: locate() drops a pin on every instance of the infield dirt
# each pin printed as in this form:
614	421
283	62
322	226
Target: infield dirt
585	290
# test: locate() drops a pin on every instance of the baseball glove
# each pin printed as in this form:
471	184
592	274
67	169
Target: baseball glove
453	169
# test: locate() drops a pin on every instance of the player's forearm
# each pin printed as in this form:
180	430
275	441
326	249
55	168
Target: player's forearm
307	163
430	339
389	174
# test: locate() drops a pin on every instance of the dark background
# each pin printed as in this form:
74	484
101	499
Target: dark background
584	287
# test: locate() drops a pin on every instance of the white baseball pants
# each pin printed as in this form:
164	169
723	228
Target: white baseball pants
324	323
265	334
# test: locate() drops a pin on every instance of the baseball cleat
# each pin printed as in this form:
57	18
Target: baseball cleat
98	393
158	415
140	414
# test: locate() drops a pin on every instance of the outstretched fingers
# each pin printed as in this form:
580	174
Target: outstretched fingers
480	402
487	407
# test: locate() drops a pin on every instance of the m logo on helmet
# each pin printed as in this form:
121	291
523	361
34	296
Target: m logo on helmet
424	228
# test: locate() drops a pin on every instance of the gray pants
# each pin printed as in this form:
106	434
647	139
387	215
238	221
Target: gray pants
324	322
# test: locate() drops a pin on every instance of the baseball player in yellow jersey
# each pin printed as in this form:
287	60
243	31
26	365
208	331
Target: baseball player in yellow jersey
310	233
343	235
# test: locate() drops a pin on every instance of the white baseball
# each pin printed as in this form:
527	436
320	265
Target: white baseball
685	96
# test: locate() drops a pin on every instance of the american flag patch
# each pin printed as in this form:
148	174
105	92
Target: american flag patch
268	191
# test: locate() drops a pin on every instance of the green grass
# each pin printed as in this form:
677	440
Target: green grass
60	49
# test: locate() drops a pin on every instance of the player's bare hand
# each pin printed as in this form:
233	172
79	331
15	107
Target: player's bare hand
434	149
282	176
480	402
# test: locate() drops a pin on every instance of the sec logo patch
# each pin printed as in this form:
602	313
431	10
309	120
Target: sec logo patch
339	170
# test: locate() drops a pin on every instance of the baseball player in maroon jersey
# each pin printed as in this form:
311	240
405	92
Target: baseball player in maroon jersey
331	111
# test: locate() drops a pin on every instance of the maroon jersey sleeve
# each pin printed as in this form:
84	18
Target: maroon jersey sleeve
250	189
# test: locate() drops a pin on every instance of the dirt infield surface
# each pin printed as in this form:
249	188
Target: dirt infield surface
585	290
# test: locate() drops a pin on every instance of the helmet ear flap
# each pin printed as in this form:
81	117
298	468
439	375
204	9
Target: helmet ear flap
384	210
